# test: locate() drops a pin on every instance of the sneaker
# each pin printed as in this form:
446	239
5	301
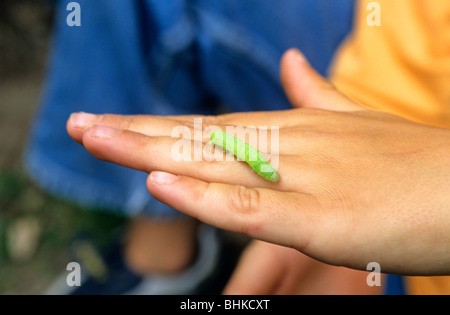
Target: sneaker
108	274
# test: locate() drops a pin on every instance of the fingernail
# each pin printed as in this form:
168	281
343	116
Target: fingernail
300	57
162	178
83	120
104	133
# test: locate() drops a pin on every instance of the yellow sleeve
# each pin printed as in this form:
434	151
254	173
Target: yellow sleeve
401	67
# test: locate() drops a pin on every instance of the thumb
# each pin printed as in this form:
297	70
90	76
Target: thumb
306	88
259	271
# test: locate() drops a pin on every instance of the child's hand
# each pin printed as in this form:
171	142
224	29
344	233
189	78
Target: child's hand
268	269
356	187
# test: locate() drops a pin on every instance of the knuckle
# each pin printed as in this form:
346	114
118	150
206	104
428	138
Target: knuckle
245	200
210	120
120	122
129	123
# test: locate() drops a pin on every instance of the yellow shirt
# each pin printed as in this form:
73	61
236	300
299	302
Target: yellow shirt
401	66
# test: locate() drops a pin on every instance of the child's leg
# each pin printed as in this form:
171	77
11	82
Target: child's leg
161	246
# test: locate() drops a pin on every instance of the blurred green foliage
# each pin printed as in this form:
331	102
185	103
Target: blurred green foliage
55	223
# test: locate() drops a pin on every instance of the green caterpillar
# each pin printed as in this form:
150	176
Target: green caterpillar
245	152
